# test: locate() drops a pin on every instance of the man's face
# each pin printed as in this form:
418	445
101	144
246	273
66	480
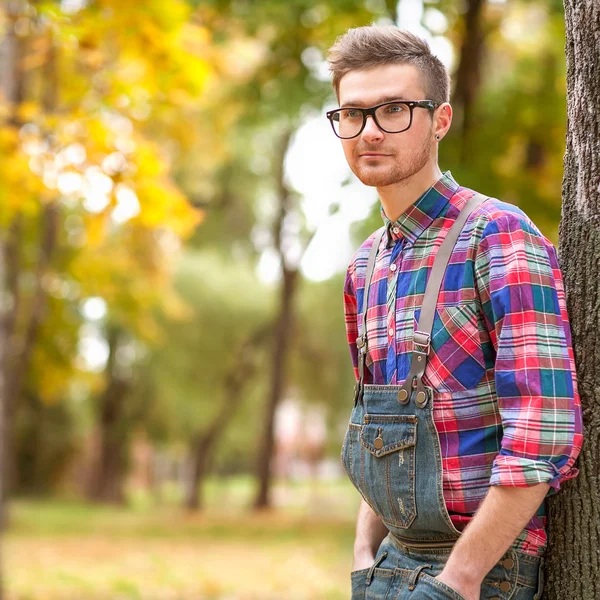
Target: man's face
377	158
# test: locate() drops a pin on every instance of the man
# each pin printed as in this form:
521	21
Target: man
460	428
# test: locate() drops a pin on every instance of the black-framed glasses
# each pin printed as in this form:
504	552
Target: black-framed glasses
391	117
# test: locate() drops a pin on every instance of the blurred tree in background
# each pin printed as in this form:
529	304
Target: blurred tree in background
284	88
89	206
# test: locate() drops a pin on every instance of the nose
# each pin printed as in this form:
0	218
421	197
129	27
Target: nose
371	132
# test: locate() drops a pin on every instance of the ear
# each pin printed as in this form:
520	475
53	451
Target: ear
442	118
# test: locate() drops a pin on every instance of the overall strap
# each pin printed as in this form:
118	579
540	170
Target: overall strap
361	340
422	334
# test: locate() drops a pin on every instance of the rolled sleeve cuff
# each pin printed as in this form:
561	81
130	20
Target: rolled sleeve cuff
516	471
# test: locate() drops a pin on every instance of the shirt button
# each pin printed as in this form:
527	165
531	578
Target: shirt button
392	267
396	229
391	331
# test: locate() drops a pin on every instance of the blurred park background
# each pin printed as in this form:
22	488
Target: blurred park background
177	220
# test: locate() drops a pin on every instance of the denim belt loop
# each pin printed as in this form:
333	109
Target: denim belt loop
412	581
372	569
540	586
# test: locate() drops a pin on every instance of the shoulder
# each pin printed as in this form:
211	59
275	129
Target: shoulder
494	217
364	249
506	234
360	257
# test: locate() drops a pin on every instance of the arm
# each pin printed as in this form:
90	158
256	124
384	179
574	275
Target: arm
370	532
500	518
351	316
521	290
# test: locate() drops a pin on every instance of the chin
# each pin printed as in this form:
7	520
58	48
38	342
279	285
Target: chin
374	178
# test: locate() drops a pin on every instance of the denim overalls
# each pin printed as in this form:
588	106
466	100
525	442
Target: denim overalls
391	453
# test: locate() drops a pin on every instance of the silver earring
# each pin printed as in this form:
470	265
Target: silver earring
437	137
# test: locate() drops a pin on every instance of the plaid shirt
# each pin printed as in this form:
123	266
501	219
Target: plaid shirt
501	363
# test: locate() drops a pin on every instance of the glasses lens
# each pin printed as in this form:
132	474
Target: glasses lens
347	122
394	117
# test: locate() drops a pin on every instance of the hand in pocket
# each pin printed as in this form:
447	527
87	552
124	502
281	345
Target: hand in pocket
430	588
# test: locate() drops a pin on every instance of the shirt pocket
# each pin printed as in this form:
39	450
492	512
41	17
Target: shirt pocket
455	361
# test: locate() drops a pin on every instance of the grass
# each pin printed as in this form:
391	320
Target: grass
302	550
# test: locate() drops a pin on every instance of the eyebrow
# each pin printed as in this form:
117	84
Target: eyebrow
359	104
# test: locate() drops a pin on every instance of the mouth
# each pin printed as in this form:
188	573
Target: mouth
373	155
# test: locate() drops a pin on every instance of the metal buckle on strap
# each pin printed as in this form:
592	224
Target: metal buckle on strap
361	343
422	339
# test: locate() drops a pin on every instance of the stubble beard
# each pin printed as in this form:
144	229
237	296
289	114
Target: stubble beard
394	174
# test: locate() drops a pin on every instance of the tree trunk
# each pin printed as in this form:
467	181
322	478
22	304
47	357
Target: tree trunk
22	343
108	475
3	346
19	345
290	276
245	365
11	89
198	461
573	560
279	353
468	74
281	342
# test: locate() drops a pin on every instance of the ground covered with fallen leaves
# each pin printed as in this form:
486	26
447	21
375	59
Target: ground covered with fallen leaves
301	550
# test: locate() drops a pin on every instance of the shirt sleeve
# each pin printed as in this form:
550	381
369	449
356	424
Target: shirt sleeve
521	290
350	314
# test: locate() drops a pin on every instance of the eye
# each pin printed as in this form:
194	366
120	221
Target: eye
395	108
351	113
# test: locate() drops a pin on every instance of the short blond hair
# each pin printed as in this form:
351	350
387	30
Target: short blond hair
375	45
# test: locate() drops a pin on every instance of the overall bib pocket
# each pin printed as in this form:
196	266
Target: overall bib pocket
379	458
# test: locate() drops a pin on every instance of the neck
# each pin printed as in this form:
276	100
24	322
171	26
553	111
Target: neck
398	197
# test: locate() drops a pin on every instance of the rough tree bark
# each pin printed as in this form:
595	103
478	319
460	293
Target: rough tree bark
573	560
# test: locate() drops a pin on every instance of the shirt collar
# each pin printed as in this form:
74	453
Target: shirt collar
419	215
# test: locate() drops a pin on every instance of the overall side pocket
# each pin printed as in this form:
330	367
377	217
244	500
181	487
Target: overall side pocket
348	455
358	580
540	585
